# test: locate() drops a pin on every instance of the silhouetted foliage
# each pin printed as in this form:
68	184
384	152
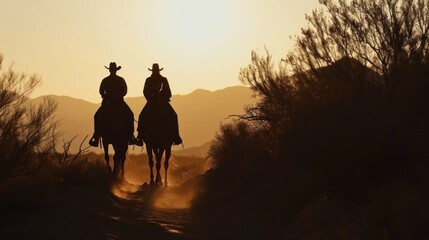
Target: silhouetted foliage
344	117
381	34
28	152
357	78
25	128
233	146
234	152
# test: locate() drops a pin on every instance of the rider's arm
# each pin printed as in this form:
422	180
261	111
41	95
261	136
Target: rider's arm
124	88
102	89
166	91
147	91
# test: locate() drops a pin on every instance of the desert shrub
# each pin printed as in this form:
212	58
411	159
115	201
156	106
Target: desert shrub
345	112
73	168
238	153
238	159
82	171
343	116
25	128
234	146
28	155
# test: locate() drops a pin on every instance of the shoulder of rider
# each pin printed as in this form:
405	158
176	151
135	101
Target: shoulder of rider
102	88
123	86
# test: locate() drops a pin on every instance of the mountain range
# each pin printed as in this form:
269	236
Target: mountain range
200	115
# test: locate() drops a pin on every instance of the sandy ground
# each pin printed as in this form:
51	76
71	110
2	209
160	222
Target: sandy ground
84	213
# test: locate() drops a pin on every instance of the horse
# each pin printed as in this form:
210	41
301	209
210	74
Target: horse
156	132
114	132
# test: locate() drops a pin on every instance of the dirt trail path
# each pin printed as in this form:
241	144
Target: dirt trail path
85	213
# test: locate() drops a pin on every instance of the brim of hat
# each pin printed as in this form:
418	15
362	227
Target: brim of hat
159	70
117	68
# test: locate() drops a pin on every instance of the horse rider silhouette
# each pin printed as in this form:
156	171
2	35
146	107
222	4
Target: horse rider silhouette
157	92
113	88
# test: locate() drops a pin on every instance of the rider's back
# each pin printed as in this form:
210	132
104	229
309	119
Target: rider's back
113	87
157	84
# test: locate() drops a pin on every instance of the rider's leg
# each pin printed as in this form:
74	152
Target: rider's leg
142	128
177	139
142	122
130	123
97	125
130	118
175	126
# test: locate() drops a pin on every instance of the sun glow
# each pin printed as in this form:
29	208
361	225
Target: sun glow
199	24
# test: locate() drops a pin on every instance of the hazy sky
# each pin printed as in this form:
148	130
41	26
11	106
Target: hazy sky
200	43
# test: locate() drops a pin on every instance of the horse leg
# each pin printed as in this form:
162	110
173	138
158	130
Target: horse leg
106	154
116	160
158	156
167	158
123	158
116	164
122	164
150	156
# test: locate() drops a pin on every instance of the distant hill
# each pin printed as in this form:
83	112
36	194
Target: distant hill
200	114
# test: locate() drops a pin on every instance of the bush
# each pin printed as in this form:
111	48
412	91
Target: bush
25	129
28	154
343	116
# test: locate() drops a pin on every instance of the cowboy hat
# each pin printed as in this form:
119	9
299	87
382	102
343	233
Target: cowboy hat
112	66
155	68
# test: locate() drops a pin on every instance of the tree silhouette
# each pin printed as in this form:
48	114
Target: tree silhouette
25	128
381	34
349	49
341	123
